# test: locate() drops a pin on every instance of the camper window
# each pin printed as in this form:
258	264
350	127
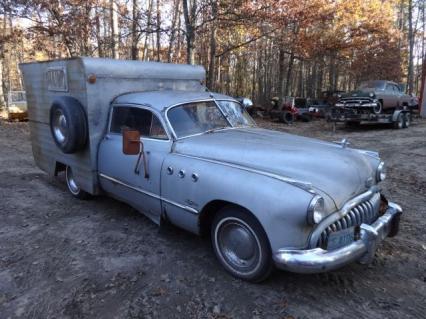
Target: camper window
134	118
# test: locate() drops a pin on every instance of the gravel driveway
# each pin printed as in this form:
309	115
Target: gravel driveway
65	258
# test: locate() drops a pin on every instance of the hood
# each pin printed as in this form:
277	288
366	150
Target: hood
340	173
359	93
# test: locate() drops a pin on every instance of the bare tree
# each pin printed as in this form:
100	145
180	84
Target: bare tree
212	64
158	33
114	29
148	29
134	31
189	13
174	29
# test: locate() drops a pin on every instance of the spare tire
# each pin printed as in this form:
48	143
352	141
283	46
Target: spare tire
68	124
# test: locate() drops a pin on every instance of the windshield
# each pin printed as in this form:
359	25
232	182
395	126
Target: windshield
195	118
300	103
378	85
236	113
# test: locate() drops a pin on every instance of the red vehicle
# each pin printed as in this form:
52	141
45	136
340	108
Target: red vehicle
283	109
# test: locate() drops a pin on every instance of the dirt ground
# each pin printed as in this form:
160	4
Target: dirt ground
65	258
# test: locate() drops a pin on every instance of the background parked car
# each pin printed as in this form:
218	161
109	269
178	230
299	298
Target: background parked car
378	96
17	106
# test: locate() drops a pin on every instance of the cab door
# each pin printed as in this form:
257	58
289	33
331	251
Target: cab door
118	174
388	97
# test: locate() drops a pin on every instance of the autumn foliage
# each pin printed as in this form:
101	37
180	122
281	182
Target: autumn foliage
258	48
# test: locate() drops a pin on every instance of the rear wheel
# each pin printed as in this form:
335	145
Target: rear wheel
287	117
73	187
241	245
399	123
407	120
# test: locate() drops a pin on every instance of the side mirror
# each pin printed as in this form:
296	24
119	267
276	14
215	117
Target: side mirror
131	142
246	102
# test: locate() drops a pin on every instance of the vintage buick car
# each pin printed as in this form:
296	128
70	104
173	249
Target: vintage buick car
197	160
378	96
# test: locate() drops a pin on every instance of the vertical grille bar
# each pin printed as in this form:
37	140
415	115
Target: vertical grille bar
366	212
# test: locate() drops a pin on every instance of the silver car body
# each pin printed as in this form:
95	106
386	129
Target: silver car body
271	174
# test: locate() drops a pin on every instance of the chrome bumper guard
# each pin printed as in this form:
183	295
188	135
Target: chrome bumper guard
319	260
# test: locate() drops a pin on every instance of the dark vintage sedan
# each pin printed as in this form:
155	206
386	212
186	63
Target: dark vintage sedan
378	96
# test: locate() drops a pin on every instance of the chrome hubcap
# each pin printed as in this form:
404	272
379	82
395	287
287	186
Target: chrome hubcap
72	184
59	126
238	245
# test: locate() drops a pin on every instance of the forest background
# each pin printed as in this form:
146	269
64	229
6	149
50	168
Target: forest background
254	48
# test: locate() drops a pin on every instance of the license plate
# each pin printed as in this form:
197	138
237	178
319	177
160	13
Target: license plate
341	238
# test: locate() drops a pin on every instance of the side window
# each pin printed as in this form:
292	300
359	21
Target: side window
389	88
137	119
396	89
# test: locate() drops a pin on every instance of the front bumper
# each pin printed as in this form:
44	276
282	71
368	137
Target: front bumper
319	260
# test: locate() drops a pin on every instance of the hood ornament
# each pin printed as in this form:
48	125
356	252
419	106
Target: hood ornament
344	143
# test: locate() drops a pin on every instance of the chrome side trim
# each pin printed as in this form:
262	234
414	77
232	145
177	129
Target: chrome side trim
111	179
303	185
187	208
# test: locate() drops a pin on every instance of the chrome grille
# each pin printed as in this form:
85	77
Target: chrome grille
364	213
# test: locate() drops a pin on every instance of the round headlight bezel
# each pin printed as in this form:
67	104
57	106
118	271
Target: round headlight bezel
381	172
316	210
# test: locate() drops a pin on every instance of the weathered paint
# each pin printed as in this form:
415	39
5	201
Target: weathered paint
113	78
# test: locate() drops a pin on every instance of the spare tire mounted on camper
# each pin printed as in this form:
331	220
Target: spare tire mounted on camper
68	124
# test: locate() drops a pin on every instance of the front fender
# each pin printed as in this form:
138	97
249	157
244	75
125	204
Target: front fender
280	207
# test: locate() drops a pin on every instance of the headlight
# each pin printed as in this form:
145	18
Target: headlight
316	211
381	172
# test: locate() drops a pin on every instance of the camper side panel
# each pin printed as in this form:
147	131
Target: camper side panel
41	92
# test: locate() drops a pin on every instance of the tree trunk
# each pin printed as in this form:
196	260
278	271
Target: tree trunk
135	35
289	73
2	63
98	37
189	16
114	29
281	59
148	29
173	30
300	82
410	76
212	64
158	31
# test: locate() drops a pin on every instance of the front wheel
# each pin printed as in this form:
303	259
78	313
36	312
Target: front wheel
378	108
73	187
241	245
